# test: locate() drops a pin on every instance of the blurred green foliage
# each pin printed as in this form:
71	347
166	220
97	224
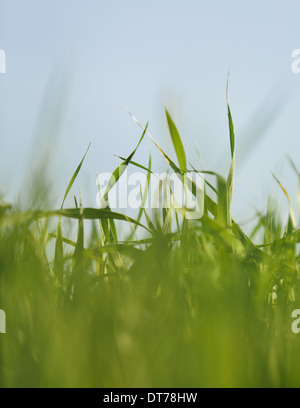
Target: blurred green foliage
193	304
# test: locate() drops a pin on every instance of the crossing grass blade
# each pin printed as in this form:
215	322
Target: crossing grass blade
87	214
109	227
138	165
119	171
209	203
72	213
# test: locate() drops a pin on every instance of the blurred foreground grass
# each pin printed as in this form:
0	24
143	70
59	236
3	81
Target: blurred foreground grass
193	304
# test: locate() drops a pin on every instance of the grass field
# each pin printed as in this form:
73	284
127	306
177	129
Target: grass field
194	303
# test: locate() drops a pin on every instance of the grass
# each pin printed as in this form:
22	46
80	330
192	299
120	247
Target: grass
194	303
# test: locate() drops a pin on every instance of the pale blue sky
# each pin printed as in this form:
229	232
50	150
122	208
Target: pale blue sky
95	58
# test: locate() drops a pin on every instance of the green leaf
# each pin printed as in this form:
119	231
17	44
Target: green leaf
59	254
292	218
230	179
177	143
223	214
231	126
144	196
74	176
80	213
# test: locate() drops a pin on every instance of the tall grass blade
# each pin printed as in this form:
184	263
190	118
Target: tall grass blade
74	176
177	143
230	179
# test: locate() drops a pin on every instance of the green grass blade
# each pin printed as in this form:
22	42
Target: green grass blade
223	214
230	179
292	219
74	176
59	254
231	126
177	143
144	196
84	213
